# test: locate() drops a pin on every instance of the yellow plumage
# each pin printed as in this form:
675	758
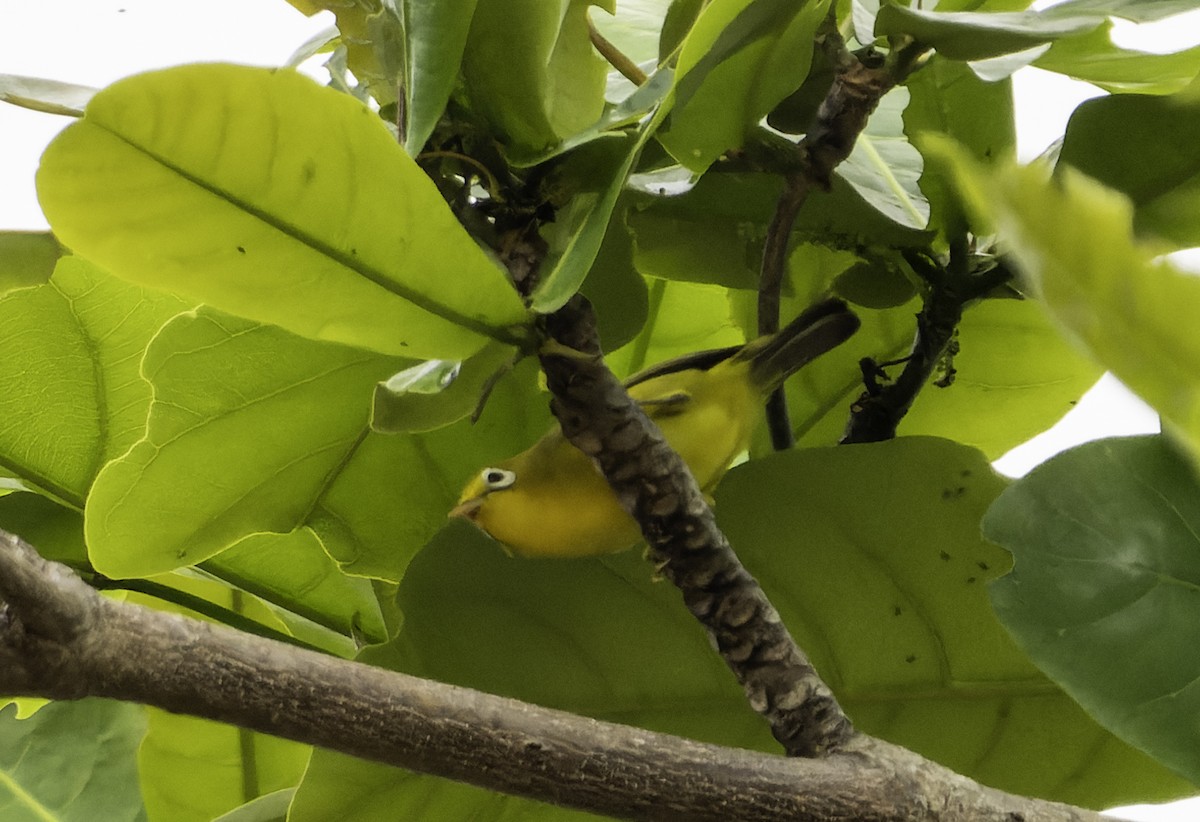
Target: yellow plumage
551	501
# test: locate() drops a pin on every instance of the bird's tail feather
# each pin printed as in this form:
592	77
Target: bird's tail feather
819	328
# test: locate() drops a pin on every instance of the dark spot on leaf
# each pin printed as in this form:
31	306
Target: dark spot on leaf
911	658
241	250
308	171
983	566
354	252
966	472
970	580
945	556
953	493
897	610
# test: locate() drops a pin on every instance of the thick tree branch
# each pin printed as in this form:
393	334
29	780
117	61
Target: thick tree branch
656	487
60	639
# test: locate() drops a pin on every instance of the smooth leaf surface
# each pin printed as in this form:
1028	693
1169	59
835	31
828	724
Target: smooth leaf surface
27	258
436	392
738	61
247	425
304	213
948	98
1105	592
195	770
1073	239
293	572
529	69
1016	376
964	35
73	396
435	35
1139	11
1141	146
1094	58
71	762
271	807
49	96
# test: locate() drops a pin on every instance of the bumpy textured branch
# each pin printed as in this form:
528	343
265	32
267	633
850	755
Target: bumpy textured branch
857	88
656	487
60	639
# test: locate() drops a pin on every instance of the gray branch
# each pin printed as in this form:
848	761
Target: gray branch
60	639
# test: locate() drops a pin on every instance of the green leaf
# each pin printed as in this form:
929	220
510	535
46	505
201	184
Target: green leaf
193	770
1140	146
271	807
1093	57
436	392
393	495
530	70
54	530
884	167
1103	595
73	396
585	220
615	288
963	35
266	195
293	572
435	36
1132	311
840	538
71	762
230	448
27	258
49	96
1139	11
949	98
1016	376
739	60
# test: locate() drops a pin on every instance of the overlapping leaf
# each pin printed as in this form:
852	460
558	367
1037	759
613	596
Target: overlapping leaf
266	195
1133	312
1103	595
872	555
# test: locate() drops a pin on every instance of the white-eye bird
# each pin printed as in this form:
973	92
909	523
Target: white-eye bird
552	501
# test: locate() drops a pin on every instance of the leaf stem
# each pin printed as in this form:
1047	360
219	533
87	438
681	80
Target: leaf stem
615	57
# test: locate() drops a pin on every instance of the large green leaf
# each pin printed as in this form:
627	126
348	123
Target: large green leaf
71	762
529	68
73	396
872	555
1103	595
248	424
193	770
256	430
1016	376
738	61
1094	57
1142	146
1073	239
266	195
27	258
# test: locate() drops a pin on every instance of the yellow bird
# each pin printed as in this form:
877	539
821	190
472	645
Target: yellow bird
552	501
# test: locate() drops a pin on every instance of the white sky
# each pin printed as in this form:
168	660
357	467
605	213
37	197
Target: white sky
94	42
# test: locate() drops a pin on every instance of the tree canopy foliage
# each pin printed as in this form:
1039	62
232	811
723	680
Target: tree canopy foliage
278	324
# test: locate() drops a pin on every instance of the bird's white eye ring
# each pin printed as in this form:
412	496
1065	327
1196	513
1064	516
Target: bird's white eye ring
497	479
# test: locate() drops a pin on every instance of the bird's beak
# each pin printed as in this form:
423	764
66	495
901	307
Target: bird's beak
467	509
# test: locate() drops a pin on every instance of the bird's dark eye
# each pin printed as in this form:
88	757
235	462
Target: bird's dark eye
497	479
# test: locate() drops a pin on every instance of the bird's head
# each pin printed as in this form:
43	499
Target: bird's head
475	495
